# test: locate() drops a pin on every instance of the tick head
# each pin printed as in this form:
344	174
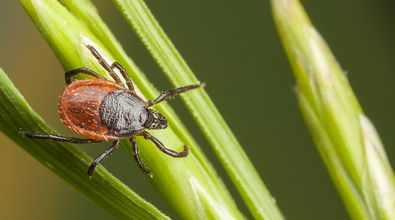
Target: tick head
155	120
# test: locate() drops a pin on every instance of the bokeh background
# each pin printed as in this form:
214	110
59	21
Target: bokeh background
234	47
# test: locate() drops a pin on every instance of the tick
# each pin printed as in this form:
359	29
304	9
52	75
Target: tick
103	110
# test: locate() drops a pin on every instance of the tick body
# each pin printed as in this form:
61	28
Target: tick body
104	110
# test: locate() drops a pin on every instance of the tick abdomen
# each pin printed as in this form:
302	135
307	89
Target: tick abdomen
79	107
123	113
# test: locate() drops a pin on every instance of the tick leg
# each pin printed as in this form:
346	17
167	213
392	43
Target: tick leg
71	73
59	138
136	156
102	156
173	92
104	64
124	74
165	150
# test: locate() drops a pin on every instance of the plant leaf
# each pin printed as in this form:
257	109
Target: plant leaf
345	138
228	150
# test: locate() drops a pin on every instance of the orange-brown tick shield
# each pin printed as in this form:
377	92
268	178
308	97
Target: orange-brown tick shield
79	106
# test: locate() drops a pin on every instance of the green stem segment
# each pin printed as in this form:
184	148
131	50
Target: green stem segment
345	138
189	184
226	146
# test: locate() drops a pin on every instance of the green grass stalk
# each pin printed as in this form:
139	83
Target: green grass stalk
228	149
344	136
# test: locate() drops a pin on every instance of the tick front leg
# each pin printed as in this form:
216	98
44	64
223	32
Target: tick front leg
71	73
104	64
137	157
102	156
124	74
173	92
53	137
165	150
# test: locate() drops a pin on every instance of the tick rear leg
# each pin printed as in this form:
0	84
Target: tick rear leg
173	92
124	74
102	156
71	73
165	150
104	64
137	158
53	137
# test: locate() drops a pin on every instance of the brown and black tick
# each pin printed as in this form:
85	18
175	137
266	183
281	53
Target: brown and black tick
104	110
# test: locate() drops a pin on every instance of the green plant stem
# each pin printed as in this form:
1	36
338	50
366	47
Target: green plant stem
189	186
344	136
67	161
226	146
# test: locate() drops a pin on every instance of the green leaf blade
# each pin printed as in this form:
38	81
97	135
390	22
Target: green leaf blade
346	140
223	141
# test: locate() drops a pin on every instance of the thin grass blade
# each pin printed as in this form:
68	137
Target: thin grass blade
344	136
228	149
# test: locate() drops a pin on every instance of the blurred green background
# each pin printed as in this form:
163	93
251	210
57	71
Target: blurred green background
234	47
